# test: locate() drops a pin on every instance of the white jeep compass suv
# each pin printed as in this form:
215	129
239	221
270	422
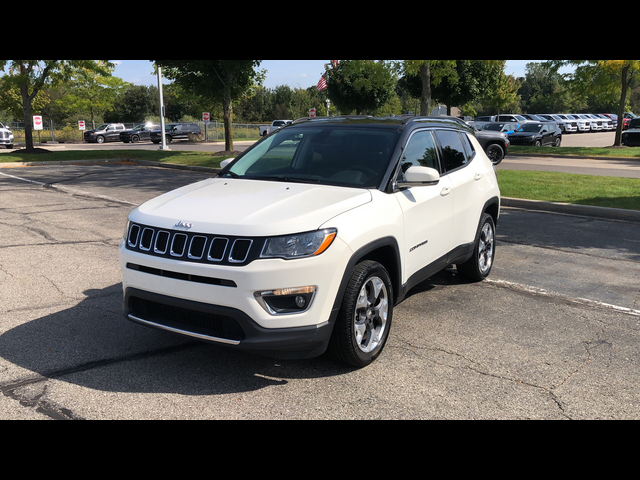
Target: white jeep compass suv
306	241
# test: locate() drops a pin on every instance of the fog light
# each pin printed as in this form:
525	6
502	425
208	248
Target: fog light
286	301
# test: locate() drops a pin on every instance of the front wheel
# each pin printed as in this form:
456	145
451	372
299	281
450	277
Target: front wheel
99	139
364	320
478	267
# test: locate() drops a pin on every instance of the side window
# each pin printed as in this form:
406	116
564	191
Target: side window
453	154
468	146
420	151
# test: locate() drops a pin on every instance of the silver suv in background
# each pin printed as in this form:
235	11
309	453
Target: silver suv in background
6	136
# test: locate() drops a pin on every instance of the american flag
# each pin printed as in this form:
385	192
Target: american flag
322	84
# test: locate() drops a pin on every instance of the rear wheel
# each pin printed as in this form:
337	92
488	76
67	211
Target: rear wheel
478	267
363	323
495	153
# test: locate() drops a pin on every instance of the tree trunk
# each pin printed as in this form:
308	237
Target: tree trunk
227	113
623	97
26	113
425	99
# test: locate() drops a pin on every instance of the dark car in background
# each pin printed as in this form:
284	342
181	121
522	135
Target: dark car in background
107	132
139	132
176	131
537	134
631	136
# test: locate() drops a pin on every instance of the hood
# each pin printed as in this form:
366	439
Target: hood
239	207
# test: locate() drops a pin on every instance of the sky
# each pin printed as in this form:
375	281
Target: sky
295	73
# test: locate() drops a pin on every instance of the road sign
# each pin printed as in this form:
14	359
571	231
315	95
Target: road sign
37	122
312	112
205	116
81	124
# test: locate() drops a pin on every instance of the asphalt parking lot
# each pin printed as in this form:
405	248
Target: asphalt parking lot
552	334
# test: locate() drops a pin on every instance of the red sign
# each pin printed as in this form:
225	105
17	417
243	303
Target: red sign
37	122
81	124
312	112
205	116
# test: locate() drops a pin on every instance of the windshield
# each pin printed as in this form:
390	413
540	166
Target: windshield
530	127
102	127
634	123
323	154
497	127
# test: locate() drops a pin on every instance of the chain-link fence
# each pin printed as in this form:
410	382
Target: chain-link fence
55	133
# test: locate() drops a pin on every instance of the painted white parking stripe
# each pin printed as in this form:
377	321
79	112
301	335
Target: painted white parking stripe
578	300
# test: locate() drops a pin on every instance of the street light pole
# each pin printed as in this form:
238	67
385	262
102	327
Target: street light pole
164	139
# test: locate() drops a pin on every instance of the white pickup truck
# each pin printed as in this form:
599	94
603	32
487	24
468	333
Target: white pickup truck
275	125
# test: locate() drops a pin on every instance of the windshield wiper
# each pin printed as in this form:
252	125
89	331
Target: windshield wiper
283	178
230	173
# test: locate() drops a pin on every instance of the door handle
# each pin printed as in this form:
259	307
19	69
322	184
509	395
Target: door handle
477	177
445	191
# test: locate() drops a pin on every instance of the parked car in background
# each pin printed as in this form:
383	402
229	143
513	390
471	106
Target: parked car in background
533	118
503	127
631	136
275	125
139	132
584	124
175	131
612	118
6	136
537	134
107	132
566	125
511	117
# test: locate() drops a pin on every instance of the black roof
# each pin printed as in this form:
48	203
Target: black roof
391	121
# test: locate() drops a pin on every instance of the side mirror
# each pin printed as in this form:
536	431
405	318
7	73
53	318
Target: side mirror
226	162
421	176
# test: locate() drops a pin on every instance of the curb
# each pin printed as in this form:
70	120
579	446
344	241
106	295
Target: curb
532	205
571	209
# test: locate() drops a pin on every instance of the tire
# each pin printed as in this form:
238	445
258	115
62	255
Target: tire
135	139
557	142
538	143
9	146
364	319
99	139
495	153
478	267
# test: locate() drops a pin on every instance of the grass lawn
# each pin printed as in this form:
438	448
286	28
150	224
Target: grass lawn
613	192
204	159
623	152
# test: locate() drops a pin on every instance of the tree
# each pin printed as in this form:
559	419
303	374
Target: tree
604	77
474	79
92	91
431	73
505	94
31	76
360	85
223	81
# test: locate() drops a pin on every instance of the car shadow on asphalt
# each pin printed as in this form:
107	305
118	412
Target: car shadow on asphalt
92	345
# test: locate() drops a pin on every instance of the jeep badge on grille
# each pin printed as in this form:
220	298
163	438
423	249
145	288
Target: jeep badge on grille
183	226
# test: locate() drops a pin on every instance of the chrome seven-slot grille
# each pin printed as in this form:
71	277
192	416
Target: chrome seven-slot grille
193	247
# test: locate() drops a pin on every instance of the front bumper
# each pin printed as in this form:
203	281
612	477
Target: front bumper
218	303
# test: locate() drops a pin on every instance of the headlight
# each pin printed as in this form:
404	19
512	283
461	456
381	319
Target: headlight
299	245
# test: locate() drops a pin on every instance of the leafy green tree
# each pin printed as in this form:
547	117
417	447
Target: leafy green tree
431	73
134	104
505	94
360	85
221	81
31	76
604	78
